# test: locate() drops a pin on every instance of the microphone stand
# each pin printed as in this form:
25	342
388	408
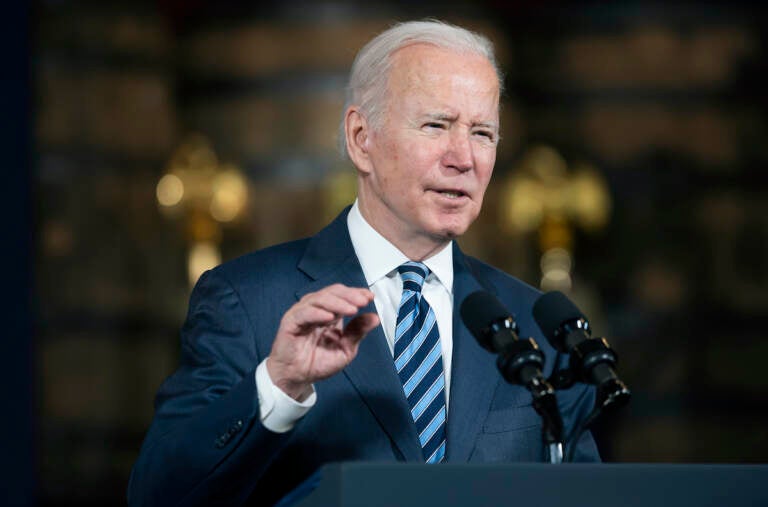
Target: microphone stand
545	403
520	363
591	361
610	396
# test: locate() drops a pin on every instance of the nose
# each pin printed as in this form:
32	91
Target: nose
458	154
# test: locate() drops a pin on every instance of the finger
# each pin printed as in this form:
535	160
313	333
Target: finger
331	303
354	295
360	326
308	315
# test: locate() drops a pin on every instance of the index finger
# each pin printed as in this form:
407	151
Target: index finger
357	296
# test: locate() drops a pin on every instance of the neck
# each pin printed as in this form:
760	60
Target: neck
423	253
415	246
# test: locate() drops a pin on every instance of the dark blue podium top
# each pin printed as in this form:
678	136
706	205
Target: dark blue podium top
539	485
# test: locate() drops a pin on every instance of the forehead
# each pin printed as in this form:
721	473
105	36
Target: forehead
425	71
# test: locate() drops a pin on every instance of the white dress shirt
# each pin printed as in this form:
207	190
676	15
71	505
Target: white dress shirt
379	259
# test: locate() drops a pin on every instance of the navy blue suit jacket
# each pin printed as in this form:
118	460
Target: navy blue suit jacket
206	444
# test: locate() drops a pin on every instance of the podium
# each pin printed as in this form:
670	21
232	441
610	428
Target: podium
538	485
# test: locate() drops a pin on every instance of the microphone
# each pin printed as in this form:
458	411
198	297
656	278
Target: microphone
592	360
519	361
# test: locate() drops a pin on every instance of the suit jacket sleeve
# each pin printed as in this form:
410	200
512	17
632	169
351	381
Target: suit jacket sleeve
206	439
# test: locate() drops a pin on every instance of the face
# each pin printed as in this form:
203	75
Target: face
424	171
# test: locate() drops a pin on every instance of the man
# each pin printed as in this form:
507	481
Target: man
284	365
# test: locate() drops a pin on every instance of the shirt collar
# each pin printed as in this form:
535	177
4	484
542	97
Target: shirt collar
379	258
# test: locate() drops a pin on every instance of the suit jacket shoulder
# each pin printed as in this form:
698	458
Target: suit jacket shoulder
517	296
500	282
264	268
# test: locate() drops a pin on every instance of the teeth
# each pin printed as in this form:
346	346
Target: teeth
452	195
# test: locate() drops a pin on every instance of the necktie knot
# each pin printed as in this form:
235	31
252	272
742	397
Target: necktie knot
413	275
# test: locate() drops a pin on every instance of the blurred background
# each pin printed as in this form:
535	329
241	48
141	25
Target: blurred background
148	141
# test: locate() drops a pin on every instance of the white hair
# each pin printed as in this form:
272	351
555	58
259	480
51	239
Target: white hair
369	76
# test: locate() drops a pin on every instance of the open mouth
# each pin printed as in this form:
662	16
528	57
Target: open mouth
452	194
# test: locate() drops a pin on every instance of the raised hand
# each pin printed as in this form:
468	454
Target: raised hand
311	343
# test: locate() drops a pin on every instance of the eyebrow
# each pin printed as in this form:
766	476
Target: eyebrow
441	116
492	126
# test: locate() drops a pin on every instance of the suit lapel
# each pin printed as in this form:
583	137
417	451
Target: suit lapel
474	375
330	259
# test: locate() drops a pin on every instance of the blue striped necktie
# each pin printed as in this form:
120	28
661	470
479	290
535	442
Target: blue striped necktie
419	362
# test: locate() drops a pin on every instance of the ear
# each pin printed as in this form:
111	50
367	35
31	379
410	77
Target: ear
358	136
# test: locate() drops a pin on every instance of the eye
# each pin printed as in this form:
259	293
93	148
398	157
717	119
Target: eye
434	125
486	134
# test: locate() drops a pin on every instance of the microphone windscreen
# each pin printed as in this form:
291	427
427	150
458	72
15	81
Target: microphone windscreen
479	310
552	309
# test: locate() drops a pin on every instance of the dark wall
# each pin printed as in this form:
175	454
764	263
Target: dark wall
19	423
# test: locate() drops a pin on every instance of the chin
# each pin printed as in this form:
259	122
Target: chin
449	232
455	226
447	226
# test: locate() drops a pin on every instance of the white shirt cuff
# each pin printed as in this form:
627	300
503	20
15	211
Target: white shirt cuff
279	412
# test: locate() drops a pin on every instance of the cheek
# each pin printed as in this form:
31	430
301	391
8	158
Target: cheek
421	151
485	166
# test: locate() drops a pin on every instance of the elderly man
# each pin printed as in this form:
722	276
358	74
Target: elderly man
348	345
